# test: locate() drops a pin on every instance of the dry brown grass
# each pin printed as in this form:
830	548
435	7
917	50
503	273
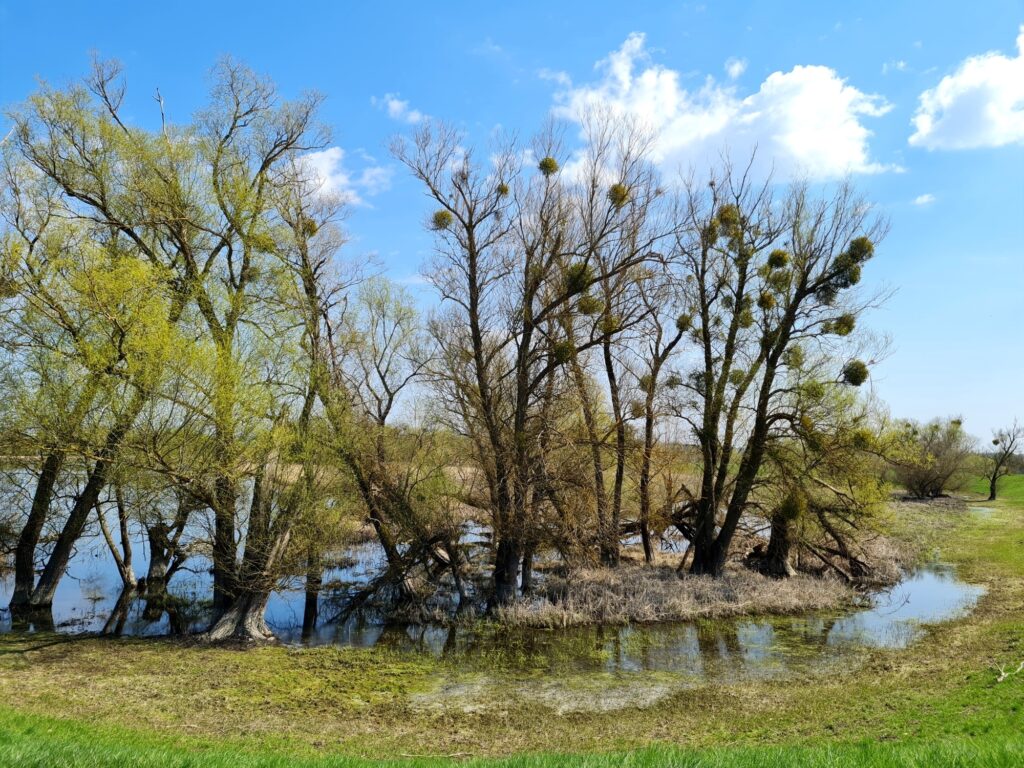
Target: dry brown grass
645	594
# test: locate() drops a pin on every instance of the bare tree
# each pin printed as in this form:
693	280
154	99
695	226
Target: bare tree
618	208
663	329
1006	443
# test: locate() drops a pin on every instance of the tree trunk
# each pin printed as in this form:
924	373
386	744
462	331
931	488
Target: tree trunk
27	618
114	624
57	564
314	580
708	560
645	539
605	532
25	552
527	580
780	544
42	595
159	556
612	548
244	620
992	487
123	556
156	573
506	572
225	551
265	545
455	564
645	478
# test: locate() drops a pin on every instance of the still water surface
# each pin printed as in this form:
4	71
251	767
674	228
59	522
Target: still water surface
707	650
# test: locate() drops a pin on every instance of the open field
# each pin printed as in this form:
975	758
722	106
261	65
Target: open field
136	702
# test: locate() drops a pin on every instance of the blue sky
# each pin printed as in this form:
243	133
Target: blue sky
922	103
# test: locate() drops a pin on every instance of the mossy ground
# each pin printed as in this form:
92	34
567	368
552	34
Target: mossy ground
191	705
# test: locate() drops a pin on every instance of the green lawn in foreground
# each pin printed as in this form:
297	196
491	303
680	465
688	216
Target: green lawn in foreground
97	702
27	741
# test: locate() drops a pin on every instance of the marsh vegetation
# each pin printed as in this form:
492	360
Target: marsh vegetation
627	453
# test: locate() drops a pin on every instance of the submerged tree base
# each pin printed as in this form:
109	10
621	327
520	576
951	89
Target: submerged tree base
244	622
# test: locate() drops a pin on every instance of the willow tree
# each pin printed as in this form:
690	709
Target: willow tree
364	352
763	274
89	325
821	486
195	202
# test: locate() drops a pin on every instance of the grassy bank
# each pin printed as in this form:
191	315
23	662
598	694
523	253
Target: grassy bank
41	742
84	701
1009	489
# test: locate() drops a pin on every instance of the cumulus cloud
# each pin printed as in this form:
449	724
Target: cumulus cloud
807	121
398	109
925	199
980	105
735	67
328	172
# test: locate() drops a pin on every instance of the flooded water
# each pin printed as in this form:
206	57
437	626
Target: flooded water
748	646
690	651
89	592
596	669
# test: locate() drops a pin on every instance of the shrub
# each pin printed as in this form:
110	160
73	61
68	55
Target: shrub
933	458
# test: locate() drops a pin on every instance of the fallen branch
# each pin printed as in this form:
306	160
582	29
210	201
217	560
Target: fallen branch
1003	674
828	563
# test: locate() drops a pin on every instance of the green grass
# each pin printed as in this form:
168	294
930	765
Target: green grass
1009	488
96	702
45	742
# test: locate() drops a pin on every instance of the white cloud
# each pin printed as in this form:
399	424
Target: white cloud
398	109
331	177
555	76
807	121
375	179
925	199
980	105
735	67
898	65
488	48
416	280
